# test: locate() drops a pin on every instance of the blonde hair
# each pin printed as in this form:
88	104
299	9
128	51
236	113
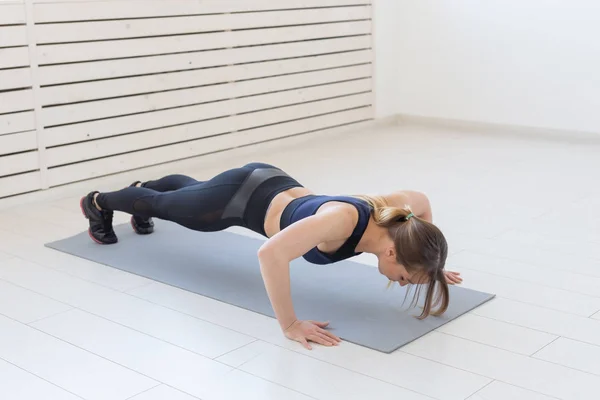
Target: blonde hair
420	247
383	214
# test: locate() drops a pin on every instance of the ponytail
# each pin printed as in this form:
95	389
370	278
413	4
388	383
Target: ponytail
385	215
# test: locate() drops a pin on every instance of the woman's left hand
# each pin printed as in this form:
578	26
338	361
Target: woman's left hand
453	277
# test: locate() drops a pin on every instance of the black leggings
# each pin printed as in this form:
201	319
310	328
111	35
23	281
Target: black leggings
236	197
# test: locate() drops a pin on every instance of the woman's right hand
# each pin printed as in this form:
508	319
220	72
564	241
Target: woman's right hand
305	331
275	255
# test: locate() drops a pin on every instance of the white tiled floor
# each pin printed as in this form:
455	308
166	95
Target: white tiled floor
522	221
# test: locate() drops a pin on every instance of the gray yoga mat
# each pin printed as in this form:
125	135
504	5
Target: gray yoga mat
223	266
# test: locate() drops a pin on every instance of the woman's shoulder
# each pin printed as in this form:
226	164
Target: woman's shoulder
417	201
400	198
342	206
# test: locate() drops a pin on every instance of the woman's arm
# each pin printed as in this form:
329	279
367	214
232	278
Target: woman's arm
275	255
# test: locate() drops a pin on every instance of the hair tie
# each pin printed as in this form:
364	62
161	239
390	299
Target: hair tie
409	216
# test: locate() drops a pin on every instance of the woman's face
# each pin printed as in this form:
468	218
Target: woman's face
392	269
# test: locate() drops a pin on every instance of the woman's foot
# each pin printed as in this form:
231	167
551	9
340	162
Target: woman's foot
141	225
101	229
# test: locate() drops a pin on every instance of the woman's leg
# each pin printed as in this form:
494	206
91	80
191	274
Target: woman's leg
145	225
169	183
199	206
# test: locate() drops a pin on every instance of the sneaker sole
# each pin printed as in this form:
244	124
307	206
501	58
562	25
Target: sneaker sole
134	228
86	217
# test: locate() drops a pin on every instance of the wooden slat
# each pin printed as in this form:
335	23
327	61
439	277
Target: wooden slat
18	184
120	29
19	122
140	122
71	52
15	78
20	100
17	163
13	36
136	104
180	62
12	14
84	11
145	140
17	142
78	92
14	57
185	115
119	163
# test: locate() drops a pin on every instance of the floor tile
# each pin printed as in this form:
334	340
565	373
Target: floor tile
553	261
498	334
48	215
207	309
88	270
18	224
565	280
174	327
4	256
179	368
573	354
518	370
75	266
9	241
527	292
163	392
18	384
484	225
502	391
237	357
399	368
542	319
26	306
76	370
241	385
183	370
552	243
319	379
569	228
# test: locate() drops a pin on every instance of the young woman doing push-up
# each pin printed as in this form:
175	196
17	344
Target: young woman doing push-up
322	229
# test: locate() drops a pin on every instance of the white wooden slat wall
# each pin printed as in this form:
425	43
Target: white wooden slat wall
19	159
125	84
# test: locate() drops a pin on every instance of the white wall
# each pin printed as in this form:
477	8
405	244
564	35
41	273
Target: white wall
385	34
532	63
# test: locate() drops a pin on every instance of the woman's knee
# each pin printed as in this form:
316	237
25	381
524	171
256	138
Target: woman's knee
170	183
150	206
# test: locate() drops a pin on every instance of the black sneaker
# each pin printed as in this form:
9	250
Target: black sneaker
141	225
101	229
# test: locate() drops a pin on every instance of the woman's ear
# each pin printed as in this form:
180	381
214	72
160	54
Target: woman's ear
391	252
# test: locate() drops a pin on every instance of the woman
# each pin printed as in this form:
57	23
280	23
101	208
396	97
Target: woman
323	229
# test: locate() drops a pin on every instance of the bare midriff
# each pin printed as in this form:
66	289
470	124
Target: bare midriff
278	204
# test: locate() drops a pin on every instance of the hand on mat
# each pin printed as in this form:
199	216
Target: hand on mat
453	277
305	331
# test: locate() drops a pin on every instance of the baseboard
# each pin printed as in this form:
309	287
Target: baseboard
573	136
195	163
388	120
